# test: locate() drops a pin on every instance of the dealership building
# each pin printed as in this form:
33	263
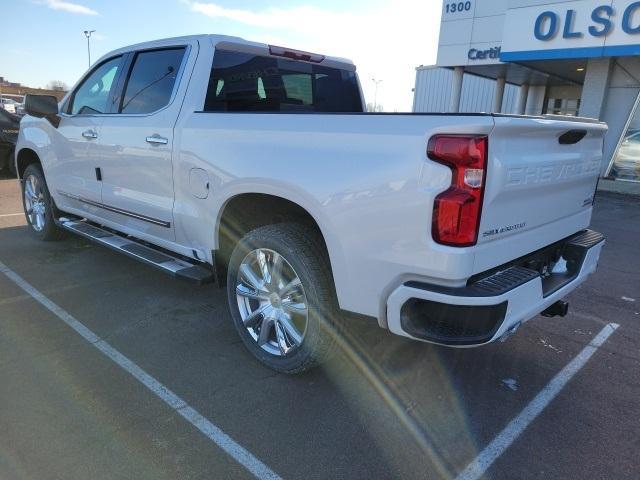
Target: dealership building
543	57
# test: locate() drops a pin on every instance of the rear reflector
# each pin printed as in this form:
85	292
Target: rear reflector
456	211
295	54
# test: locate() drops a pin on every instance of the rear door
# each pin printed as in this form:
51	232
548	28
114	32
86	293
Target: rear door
135	144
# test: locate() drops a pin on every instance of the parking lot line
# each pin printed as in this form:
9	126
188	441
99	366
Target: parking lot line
514	429
11	214
211	431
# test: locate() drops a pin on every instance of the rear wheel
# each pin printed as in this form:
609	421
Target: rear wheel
282	299
38	205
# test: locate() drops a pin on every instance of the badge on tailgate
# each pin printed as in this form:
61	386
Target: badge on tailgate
510	228
548	173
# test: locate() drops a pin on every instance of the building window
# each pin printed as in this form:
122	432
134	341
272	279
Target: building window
563	100
563	106
625	164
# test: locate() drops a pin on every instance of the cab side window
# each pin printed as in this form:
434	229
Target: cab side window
151	80
92	96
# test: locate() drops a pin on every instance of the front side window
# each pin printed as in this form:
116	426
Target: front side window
245	82
151	81
92	96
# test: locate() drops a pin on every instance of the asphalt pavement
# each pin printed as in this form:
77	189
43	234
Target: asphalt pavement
386	407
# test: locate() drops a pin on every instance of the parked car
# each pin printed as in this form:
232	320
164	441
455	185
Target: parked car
626	164
19	106
9	126
215	158
8	104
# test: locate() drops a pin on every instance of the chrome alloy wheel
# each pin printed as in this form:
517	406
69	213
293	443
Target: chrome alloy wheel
271	301
34	203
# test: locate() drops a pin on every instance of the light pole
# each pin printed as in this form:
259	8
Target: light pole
375	96
87	33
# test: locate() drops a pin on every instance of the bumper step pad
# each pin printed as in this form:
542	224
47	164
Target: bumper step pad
492	286
174	266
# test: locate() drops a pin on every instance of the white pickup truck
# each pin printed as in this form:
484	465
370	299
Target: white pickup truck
218	159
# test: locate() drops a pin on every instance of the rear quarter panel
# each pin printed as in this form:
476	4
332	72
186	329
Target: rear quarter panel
364	178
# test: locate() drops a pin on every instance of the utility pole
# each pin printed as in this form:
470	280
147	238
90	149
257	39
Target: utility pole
375	96
87	33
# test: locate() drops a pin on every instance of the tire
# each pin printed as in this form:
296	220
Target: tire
302	257
35	193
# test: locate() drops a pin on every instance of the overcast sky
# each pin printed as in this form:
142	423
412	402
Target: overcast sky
42	40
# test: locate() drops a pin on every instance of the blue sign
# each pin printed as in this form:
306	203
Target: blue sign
563	36
549	24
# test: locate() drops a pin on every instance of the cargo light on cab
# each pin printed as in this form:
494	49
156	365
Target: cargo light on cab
295	54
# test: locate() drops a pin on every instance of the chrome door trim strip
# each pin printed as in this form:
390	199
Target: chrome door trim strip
120	211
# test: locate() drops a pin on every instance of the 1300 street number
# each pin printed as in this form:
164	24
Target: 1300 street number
458	7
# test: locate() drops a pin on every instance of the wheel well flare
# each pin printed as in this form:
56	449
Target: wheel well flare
246	212
26	157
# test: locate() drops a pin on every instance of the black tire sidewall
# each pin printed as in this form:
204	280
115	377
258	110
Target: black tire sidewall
285	240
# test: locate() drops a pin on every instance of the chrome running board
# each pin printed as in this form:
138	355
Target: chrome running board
174	266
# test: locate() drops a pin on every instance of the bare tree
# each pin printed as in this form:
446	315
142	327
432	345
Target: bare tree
58	86
374	108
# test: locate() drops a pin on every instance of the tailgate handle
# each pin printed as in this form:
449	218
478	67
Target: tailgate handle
571	137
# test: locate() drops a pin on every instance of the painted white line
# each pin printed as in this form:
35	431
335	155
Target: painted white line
211	431
12	215
514	429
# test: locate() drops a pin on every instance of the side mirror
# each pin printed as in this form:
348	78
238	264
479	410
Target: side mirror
42	106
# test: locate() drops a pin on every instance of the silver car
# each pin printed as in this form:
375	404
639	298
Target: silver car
626	164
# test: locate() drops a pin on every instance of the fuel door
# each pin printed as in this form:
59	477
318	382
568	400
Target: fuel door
199	183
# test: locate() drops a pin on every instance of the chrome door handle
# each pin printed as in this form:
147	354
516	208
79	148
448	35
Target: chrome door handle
157	140
89	134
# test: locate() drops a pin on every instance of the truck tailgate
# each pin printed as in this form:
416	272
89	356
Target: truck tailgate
541	179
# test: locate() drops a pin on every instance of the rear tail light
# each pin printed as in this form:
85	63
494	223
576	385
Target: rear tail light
456	211
295	54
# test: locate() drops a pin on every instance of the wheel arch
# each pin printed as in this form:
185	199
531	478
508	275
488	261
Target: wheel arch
25	157
245	211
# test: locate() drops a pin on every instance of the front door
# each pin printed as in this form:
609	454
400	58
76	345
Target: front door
135	144
72	173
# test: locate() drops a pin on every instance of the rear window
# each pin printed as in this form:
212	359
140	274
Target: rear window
252	83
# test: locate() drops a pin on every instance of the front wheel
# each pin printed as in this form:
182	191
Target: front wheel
281	297
38	205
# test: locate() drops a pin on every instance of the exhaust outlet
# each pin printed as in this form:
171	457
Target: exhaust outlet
558	309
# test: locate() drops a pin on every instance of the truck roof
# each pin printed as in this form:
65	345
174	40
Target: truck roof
225	39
